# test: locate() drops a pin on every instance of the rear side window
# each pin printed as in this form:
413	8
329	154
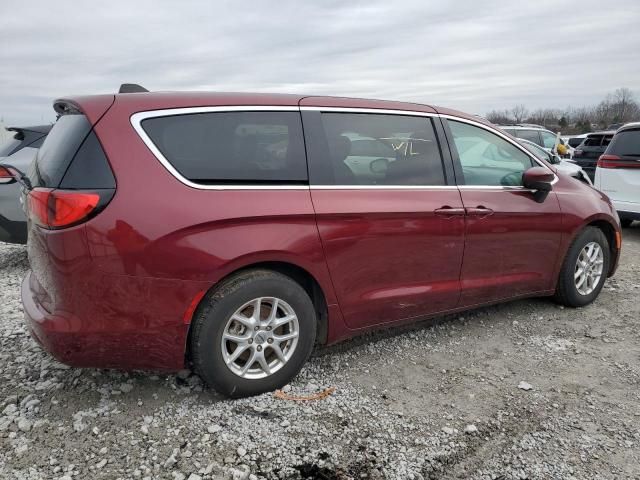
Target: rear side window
574	142
72	157
232	147
626	144
531	135
371	149
59	148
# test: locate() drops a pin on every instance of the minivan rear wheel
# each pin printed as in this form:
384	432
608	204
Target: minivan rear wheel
585	269
253	334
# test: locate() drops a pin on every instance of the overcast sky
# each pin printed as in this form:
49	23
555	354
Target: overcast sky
472	55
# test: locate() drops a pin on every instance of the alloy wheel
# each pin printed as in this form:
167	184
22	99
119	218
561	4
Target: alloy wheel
260	337
589	266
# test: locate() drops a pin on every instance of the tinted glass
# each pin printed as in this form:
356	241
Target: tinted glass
38	143
90	168
593	141
625	143
486	158
369	149
58	150
531	135
548	139
9	145
232	146
574	142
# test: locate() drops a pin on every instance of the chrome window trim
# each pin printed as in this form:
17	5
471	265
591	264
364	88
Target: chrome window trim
379	111
384	187
497	131
137	118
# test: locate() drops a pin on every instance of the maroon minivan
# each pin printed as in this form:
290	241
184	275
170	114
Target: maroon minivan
232	232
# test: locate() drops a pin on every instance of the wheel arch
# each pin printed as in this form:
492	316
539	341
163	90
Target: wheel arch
298	274
610	233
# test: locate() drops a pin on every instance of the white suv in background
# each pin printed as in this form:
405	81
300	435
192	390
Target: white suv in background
618	172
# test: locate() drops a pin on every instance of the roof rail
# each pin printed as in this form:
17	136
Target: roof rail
131	88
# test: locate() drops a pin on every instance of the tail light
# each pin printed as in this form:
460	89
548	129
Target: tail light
614	161
56	209
577	152
5	176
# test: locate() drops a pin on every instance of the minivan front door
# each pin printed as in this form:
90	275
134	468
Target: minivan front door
512	241
391	227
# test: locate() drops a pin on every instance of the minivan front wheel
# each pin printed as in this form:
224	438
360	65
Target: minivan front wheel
253	334
585	269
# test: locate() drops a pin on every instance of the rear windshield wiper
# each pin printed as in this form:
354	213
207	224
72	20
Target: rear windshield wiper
18	175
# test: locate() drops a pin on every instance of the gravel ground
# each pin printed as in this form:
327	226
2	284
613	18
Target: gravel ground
522	390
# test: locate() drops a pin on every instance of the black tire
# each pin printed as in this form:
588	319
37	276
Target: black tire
211	319
626	222
566	292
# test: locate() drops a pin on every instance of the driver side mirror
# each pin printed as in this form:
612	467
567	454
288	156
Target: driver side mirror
539	179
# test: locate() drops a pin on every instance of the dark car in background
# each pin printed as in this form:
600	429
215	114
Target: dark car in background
588	152
19	151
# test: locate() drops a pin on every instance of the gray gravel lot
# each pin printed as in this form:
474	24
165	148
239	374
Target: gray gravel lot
522	390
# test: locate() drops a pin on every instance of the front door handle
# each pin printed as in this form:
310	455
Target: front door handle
479	211
447	211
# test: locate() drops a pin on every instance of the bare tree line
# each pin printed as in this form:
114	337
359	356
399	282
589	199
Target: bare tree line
617	107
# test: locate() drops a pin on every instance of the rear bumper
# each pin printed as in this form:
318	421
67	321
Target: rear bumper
629	215
99	342
627	209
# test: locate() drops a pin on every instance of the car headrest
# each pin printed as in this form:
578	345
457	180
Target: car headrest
340	147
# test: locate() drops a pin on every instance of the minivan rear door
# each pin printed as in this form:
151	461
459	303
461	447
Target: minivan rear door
389	216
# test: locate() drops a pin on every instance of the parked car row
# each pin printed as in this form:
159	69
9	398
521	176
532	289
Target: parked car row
232	232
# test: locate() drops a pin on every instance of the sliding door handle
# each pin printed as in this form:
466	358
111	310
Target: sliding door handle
479	211
447	211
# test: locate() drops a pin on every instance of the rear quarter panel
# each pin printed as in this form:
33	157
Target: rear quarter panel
157	227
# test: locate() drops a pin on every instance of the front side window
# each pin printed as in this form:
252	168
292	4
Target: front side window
486	158
372	149
232	147
548	139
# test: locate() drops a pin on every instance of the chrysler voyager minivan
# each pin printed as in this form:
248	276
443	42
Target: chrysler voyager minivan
233	232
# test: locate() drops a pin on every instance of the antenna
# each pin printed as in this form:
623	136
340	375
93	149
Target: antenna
131	88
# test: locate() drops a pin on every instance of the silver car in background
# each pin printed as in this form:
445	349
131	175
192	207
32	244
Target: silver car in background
565	166
19	151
